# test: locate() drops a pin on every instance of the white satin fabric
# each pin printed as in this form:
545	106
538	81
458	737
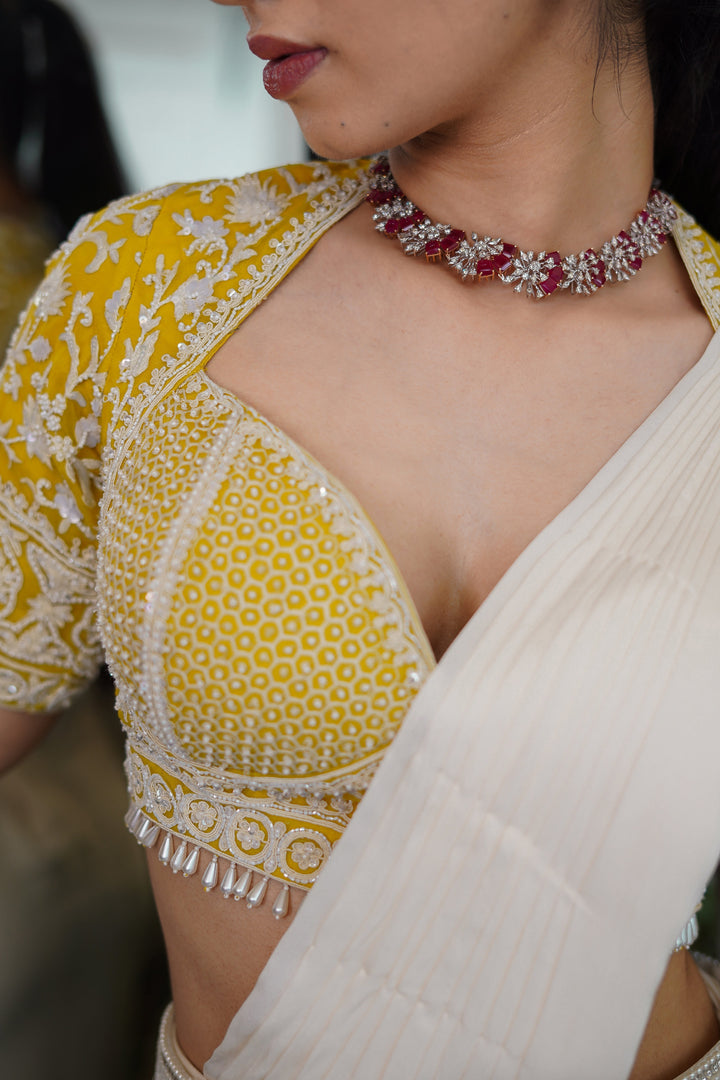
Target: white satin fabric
550	808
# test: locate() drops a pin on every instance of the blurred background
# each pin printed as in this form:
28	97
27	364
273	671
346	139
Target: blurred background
183	95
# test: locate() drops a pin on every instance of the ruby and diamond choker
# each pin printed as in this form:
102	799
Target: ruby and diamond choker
482	258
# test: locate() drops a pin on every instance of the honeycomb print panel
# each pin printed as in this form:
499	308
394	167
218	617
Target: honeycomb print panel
288	652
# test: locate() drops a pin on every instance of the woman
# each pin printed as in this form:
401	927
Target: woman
544	472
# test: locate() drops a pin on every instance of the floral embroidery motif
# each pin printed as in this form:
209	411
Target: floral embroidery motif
307	855
263	650
249	835
203	815
256	201
52	388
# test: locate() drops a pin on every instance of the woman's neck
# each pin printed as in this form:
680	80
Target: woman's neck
559	161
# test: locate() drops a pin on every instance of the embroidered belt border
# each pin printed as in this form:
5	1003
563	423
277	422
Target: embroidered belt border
280	833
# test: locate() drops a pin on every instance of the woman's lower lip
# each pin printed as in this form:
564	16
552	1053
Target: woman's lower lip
282	76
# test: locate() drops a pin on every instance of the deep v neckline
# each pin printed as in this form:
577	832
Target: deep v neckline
244	410
703	287
540	542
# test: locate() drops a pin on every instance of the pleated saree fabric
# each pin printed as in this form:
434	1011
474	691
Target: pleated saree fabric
561	764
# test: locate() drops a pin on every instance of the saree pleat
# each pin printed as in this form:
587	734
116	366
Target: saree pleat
521	831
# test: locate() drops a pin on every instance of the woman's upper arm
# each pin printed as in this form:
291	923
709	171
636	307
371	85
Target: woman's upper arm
19	732
55	382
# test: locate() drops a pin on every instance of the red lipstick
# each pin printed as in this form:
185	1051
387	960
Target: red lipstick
289	63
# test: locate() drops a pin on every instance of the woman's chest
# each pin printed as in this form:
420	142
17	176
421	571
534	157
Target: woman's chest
251	616
461	454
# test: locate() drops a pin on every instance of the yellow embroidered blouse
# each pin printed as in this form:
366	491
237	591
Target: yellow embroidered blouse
264	647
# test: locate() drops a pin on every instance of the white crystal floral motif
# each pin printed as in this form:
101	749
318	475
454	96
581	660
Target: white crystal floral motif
620	257
249	835
466	256
583	274
536	274
307	855
203	815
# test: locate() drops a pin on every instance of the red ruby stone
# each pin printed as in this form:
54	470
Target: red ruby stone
643	217
555	274
378	197
452	240
598	277
433	249
486	268
661	237
380	168
392	226
503	261
634	257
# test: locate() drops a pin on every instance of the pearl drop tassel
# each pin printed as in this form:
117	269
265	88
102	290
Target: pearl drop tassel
210	875
166	850
150	837
185	858
243	885
142	832
179	857
257	894
228	882
282	903
191	863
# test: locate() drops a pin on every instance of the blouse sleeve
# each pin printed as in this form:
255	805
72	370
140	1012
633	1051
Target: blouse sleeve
52	388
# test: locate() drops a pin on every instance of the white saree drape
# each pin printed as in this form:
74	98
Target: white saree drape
505	899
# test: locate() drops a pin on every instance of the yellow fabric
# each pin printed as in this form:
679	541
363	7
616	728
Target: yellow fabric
264	647
264	650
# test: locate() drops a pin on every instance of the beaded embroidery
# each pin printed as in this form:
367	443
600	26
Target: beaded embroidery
261	583
115	406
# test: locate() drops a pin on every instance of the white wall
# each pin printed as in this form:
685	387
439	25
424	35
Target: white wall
183	94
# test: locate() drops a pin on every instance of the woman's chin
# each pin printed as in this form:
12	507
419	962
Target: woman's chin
341	140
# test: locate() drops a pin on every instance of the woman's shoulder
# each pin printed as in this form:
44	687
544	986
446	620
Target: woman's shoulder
255	201
173	236
159	259
180	218
701	254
